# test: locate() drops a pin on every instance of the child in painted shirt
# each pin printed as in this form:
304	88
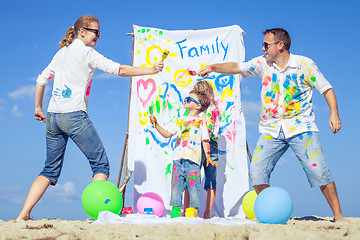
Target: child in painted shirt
192	132
212	120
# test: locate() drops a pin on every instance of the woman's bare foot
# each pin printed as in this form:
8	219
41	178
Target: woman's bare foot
24	217
340	218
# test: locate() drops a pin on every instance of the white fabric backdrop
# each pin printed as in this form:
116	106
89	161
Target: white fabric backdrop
149	154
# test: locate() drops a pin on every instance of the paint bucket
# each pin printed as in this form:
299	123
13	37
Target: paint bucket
175	212
127	210
190	212
148	211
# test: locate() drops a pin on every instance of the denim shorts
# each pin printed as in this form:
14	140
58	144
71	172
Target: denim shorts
210	171
307	149
77	126
185	174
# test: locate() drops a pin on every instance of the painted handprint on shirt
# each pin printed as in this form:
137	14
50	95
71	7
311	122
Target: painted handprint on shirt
62	93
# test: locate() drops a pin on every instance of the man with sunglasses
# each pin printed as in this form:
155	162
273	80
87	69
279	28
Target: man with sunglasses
286	118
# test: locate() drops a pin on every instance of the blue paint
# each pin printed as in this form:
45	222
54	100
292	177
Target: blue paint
196	51
181	100
107	201
161	144
224	80
166	90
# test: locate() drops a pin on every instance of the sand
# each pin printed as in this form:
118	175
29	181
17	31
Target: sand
311	227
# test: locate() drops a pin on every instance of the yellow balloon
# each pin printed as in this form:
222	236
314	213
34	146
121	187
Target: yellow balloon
248	204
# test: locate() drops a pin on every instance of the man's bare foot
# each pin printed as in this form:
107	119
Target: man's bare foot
23	217
206	215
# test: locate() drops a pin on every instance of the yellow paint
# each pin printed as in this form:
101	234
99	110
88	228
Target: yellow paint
314	154
143	65
255	159
143	118
138	52
167	69
148	51
268	137
227	92
169	40
150	37
182	78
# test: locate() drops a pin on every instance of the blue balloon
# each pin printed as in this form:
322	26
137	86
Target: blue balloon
273	205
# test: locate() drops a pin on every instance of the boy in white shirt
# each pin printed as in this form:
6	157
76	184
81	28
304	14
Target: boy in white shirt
191	132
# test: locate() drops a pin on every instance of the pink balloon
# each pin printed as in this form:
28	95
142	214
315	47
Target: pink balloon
150	200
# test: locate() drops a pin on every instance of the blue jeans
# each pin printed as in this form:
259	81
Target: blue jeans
77	126
185	174
210	171
306	147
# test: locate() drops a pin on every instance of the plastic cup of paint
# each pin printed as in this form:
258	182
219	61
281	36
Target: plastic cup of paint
190	212
148	211
175	212
127	210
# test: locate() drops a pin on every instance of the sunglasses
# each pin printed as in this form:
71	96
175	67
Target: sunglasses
96	31
268	45
189	99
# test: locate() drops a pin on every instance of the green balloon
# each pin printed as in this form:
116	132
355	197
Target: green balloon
101	196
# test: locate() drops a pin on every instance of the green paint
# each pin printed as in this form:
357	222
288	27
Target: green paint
186	112
160	33
151	109
147	141
158	106
191	177
143	30
170	106
313	79
168	169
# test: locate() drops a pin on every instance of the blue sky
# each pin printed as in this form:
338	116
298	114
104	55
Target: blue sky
327	33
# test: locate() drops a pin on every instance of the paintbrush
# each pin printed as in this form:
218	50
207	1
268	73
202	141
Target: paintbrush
164	55
192	73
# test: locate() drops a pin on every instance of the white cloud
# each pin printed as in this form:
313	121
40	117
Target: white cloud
65	191
14	194
16	112
251	109
246	90
23	92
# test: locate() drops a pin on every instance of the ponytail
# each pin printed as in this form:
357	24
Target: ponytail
69	37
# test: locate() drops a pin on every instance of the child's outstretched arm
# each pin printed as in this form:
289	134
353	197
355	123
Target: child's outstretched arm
206	146
165	133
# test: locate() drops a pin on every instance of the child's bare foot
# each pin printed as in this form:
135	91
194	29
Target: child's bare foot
24	217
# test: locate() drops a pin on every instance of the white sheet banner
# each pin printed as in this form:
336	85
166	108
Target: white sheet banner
150	155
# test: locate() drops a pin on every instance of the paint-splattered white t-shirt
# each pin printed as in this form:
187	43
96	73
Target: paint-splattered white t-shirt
190	132
286	95
73	70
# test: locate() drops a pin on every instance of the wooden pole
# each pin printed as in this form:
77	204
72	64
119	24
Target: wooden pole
122	159
126	155
249	155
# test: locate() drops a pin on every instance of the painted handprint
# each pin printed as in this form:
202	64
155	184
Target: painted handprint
62	93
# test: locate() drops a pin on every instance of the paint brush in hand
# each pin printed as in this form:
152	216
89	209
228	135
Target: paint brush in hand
151	111
164	55
192	73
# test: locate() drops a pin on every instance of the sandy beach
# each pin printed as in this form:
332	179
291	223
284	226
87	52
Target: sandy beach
310	227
